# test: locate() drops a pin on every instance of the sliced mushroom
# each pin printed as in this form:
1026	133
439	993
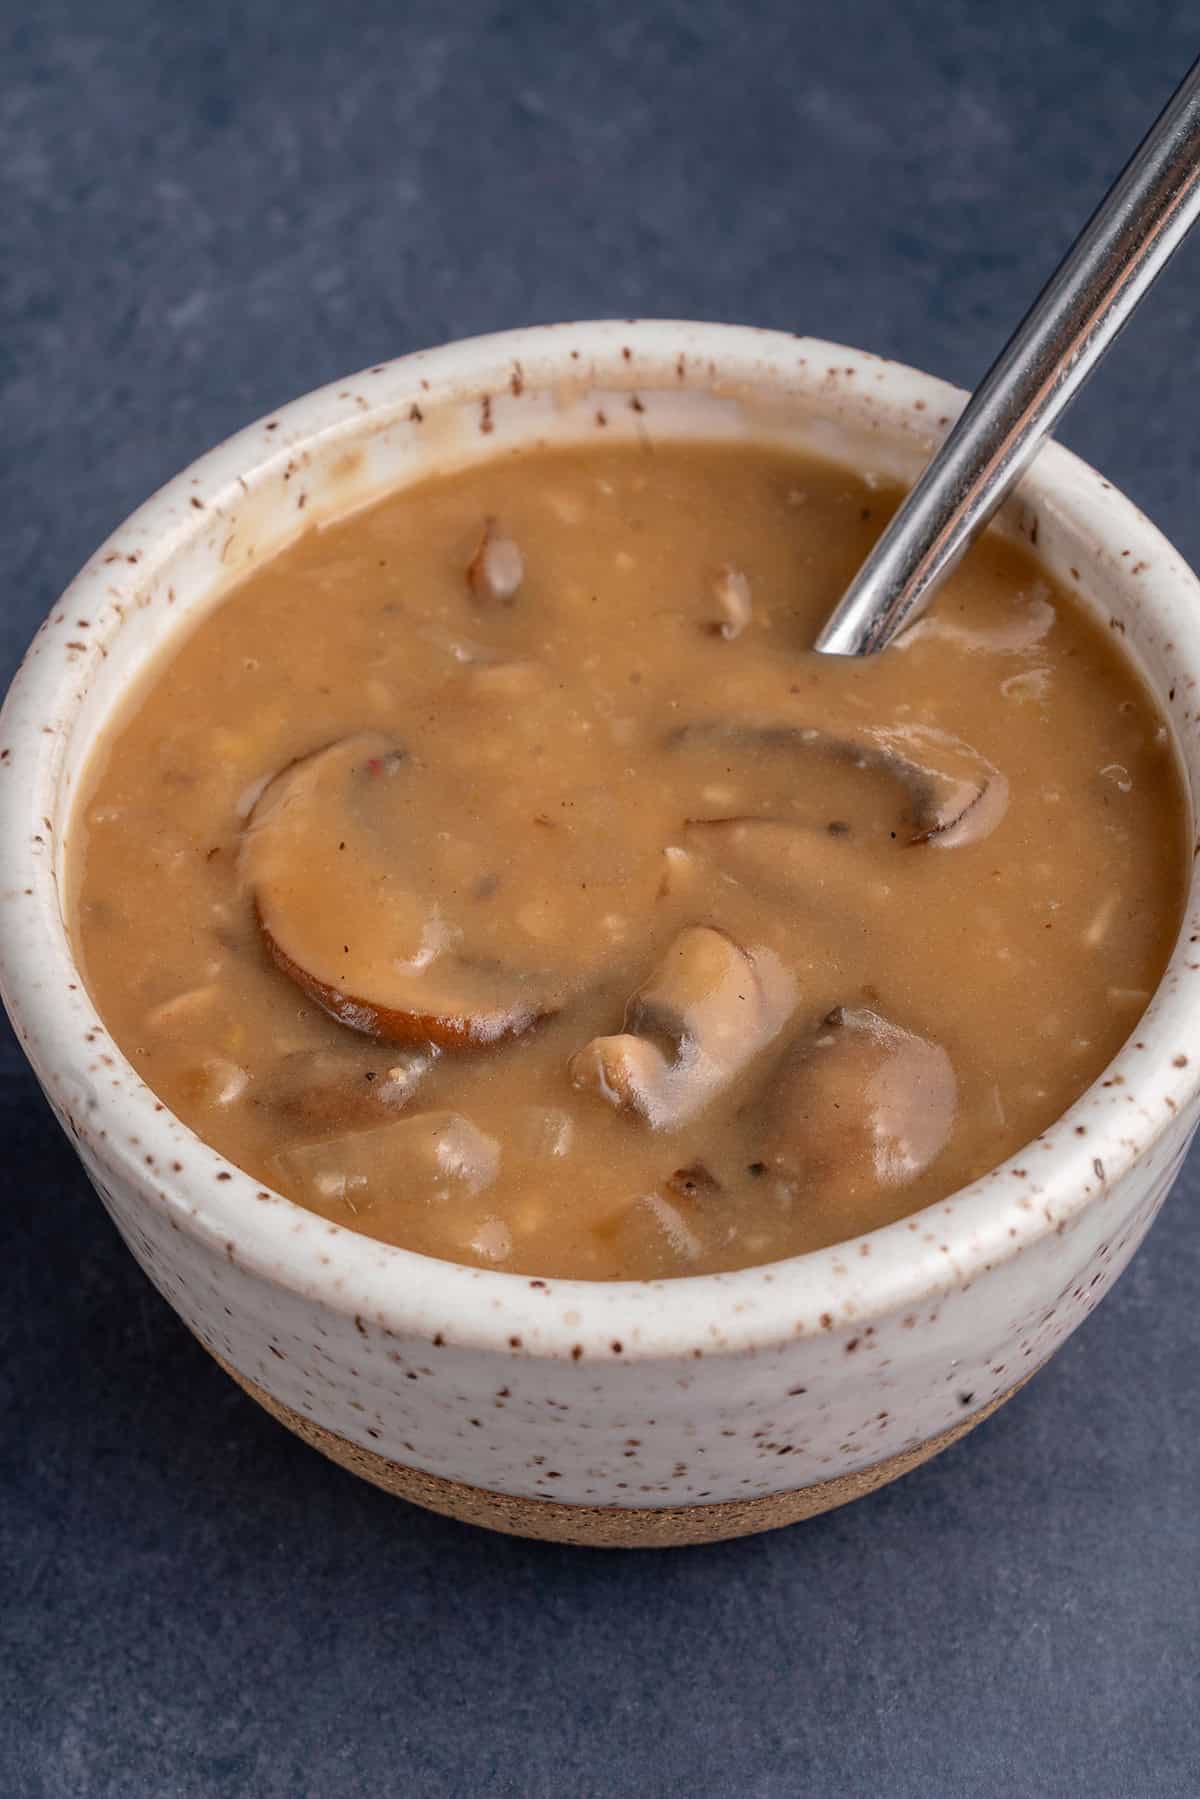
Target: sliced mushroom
953	794
959	796
319	856
316	1092
857	1105
706	1011
734	607
497	569
435	1156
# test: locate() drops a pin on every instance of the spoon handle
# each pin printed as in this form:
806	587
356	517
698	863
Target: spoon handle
1120	252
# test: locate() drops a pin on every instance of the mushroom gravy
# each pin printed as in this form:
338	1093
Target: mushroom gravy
498	873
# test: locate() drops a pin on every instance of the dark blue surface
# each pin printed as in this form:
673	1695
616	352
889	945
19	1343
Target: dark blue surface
206	210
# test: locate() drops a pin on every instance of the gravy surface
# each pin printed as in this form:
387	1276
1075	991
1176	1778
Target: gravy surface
497	872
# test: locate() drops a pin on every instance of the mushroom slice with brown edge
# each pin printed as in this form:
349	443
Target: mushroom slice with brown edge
857	1105
497	569
953	795
709	1007
322	858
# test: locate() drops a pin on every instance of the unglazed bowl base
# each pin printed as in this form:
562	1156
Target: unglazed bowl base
601	1526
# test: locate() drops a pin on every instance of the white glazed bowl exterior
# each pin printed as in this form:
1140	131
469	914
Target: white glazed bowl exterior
721	1387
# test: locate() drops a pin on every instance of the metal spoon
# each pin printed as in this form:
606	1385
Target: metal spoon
1113	262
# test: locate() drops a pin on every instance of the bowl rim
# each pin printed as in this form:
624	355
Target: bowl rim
900	1266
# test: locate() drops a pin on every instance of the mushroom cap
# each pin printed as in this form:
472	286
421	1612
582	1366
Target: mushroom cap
860	1100
909	784
319	856
707	1010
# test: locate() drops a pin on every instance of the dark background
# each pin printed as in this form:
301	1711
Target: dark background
207	209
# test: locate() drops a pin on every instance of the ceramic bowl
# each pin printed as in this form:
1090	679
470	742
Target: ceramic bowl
608	1413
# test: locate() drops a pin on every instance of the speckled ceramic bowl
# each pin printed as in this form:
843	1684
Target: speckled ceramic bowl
623	1413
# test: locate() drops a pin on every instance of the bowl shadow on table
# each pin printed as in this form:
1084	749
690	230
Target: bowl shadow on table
184	1558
